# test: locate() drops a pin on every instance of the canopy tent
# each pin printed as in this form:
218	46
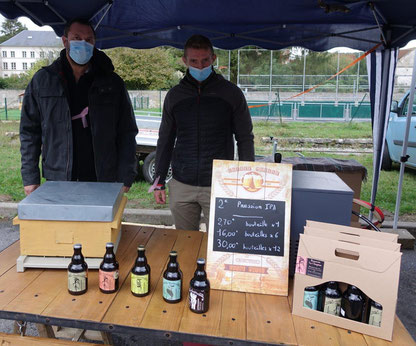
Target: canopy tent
272	24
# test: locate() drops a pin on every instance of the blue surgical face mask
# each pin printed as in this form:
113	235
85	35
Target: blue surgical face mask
80	51
200	75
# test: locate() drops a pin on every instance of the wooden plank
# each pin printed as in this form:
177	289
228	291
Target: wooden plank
13	283
400	336
209	322
165	316
17	340
269	319
93	304
40	292
233	315
8	257
128	309
309	332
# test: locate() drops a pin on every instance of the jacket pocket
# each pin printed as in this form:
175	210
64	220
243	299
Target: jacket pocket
53	104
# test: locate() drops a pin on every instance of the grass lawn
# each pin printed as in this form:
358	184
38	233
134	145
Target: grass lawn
11	183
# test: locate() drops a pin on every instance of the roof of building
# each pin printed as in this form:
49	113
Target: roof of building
33	38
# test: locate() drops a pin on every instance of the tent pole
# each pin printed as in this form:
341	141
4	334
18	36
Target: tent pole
379	137
403	158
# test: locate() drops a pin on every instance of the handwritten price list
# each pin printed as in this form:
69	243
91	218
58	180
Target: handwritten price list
249	226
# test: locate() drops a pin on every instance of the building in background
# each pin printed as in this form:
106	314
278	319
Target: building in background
19	53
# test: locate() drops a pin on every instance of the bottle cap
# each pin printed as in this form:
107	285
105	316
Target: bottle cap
77	246
173	253
109	245
200	261
140	247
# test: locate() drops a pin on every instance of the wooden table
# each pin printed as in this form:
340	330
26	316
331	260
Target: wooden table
40	296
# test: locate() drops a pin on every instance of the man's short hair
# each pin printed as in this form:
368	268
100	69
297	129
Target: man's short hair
82	21
198	42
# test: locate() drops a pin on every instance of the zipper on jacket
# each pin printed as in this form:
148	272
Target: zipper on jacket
199	135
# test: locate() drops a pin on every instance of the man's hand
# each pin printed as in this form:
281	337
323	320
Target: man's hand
30	188
160	196
126	189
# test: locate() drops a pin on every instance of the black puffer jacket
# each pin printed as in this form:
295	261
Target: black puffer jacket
198	123
46	125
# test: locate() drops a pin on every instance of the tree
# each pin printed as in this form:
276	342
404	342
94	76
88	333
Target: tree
10	28
145	68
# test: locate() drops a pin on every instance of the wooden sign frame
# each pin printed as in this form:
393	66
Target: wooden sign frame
249	227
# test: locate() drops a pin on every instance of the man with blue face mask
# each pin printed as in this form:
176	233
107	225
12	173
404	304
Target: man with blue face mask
77	115
200	117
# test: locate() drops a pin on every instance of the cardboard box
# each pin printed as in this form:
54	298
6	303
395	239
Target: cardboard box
57	238
370	263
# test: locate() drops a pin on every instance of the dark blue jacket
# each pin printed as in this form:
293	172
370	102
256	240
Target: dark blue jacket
198	124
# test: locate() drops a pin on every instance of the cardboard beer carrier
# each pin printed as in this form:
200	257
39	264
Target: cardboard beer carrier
366	259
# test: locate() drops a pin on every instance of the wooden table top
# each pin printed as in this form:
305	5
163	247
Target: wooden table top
41	296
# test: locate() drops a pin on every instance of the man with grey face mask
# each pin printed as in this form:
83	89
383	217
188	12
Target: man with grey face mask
77	115
200	117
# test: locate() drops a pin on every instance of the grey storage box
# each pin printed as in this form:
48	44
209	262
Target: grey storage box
318	196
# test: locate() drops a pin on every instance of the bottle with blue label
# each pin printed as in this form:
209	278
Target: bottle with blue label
172	280
310	297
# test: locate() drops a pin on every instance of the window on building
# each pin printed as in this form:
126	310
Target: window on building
32	64
24	66
41	55
13	65
23	54
12	53
5	66
4	54
32	54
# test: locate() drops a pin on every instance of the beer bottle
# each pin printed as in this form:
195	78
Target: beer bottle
108	272
199	289
376	312
352	304
310	297
77	272
172	280
331	300
140	274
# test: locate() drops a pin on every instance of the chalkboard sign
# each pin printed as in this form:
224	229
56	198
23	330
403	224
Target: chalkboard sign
249	226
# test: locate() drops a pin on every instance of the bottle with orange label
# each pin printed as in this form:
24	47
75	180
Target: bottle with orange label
108	272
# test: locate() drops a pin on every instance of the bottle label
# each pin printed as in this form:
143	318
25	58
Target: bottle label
310	300
342	312
77	282
332	306
197	299
107	280
172	289
139	283
375	317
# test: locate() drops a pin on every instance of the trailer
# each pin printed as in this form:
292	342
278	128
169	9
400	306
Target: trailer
146	142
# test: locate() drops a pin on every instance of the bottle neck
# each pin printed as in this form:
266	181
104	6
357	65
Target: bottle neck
141	258
109	255
173	264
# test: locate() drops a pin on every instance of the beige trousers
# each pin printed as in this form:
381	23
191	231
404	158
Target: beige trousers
186	203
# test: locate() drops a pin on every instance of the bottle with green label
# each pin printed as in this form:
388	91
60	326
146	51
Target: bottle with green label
172	280
331	300
310	297
376	312
77	272
140	274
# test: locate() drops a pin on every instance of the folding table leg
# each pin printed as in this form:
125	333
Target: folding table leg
45	331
